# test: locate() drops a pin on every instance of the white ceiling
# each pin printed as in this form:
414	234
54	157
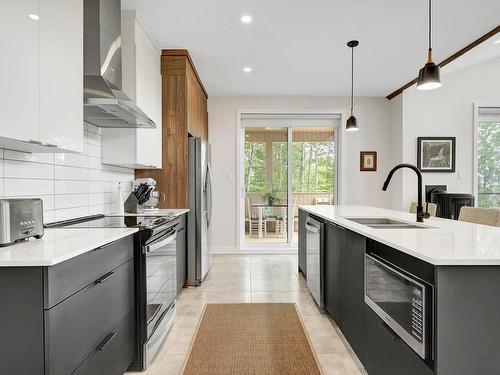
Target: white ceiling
298	47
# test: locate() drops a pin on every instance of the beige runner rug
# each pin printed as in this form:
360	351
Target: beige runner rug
251	338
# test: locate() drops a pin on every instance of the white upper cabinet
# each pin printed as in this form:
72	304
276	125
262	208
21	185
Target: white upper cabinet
41	91
61	73
141	82
19	71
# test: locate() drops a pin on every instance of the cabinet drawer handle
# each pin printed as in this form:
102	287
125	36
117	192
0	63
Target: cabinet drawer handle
106	341
34	141
107	276
50	145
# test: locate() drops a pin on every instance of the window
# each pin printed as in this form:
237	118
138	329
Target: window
488	155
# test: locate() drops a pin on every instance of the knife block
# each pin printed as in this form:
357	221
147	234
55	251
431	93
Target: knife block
132	206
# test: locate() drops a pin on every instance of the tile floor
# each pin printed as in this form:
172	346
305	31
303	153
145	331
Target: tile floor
253	278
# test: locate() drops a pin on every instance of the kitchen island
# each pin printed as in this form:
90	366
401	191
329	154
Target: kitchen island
412	298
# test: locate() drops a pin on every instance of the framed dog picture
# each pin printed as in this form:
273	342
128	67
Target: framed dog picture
436	154
368	161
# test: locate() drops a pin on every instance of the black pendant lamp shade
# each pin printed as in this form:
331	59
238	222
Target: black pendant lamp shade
352	122
428	76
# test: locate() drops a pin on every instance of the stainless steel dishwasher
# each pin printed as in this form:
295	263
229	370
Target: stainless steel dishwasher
314	259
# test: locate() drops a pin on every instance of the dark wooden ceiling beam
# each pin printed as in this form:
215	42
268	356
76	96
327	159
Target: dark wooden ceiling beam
455	56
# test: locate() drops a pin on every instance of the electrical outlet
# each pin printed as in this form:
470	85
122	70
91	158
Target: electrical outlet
459	175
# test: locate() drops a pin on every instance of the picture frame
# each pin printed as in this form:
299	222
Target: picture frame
368	161
436	154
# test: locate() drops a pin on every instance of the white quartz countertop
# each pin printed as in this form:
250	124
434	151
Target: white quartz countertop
161	212
58	245
445	242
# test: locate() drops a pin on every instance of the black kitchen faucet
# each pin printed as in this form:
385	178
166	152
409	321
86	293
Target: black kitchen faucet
421	215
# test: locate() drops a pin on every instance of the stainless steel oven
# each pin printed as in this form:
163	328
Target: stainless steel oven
402	301
160	255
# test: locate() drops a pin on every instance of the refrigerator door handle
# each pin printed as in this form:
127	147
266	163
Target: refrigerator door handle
209	193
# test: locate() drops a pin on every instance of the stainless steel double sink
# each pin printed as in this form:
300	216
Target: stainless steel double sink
385	223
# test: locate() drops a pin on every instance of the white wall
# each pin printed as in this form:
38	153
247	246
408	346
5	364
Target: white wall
447	112
358	187
395	190
70	185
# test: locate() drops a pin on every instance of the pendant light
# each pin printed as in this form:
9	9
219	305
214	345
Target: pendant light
428	76
352	123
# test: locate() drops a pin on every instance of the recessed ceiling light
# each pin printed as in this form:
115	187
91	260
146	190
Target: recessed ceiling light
246	19
496	41
35	17
247	69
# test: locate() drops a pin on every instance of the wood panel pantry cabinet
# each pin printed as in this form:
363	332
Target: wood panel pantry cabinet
41	96
141	82
184	113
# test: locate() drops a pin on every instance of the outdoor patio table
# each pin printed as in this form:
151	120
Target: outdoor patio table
260	207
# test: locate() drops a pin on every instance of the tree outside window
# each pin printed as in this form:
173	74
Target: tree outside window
488	164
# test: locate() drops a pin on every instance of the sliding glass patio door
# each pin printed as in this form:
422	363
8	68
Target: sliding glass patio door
286	161
266	184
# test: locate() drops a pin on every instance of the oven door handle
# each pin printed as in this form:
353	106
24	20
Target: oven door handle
158	245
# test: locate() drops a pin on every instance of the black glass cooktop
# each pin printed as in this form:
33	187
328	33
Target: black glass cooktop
101	221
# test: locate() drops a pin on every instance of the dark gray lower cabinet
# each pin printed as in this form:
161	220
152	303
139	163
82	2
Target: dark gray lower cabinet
344	283
387	354
334	271
79	324
21	321
302	243
353	297
181	253
112	354
75	316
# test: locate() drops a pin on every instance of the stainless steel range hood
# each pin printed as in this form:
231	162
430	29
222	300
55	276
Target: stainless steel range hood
105	104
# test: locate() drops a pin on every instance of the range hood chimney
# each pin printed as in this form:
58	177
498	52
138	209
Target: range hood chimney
105	104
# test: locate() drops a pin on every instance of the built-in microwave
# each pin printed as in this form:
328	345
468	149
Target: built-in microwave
402	300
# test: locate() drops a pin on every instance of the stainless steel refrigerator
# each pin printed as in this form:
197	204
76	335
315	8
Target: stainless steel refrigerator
199	258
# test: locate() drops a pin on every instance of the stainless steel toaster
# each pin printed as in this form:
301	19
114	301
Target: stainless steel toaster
20	219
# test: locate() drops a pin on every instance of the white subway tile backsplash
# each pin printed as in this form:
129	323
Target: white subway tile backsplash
27	187
71	200
101	198
72	160
71	173
22	169
101	187
97	209
48	216
70	185
33	158
111	176
70	213
94	151
93	139
95	163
